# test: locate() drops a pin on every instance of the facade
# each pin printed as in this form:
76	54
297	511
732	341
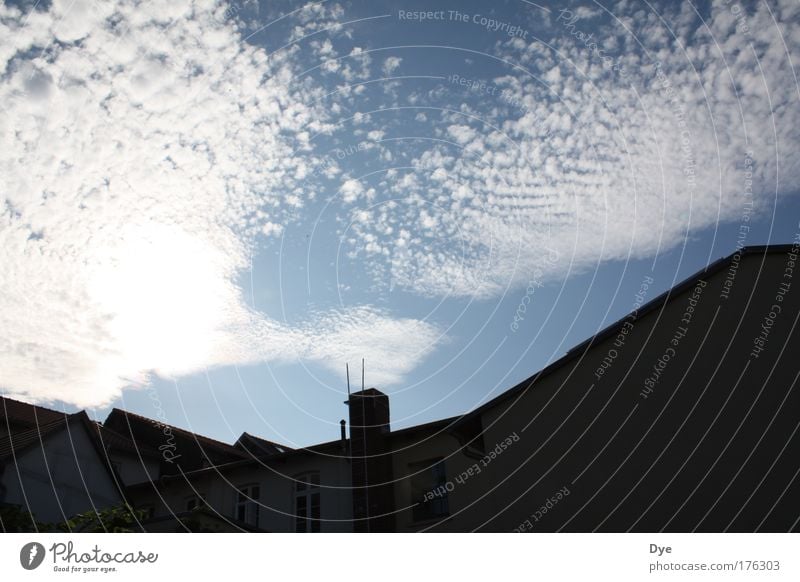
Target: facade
306	490
55	469
682	416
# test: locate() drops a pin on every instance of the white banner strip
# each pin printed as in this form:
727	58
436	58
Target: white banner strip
350	558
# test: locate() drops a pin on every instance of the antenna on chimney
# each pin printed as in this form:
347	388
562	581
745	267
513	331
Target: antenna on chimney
347	367
364	436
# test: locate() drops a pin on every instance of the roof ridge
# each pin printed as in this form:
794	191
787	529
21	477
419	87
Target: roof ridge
107	436
196	435
681	286
20	440
2	397
253	436
19	410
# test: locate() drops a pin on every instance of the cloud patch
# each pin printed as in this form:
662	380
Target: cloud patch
145	148
608	136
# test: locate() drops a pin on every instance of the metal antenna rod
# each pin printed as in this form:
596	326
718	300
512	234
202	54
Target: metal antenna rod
347	367
366	448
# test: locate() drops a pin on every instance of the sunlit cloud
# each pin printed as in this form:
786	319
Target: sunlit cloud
145	149
150	151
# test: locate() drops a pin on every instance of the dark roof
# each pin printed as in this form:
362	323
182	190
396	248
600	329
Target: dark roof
14	412
433	425
684	285
15	443
446	424
190	450
614	328
330	448
132	418
113	441
256	446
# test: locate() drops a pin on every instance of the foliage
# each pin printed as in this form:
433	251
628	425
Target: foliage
14	518
117	519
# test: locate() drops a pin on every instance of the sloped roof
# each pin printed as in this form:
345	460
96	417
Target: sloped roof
113	441
136	419
613	329
330	448
15	443
194	450
446	424
26	415
256	446
19	442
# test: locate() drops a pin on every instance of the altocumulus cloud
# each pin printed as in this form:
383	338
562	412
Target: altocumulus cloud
605	136
145	147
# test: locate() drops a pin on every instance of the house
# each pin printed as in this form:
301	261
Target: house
303	490
178	450
132	461
681	416
53	465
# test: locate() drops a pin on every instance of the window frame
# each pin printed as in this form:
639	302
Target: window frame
247	498
307	492
434	509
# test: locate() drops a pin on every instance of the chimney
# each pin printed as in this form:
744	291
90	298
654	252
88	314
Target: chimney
342	425
373	492
369	409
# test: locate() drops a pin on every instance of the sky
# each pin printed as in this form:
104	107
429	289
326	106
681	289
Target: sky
211	207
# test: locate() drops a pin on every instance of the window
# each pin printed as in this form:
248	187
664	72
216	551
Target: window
429	490
306	502
247	504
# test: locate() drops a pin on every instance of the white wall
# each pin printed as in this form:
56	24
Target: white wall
275	479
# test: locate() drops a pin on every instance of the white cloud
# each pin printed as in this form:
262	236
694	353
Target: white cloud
391	346
351	190
390	65
150	135
610	158
142	155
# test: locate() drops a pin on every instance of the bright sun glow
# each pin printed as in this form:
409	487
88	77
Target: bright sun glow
164	291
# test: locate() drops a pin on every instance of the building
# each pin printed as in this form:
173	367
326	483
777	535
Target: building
53	465
305	490
682	416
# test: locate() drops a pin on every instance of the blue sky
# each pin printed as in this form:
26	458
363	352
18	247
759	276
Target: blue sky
212	207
